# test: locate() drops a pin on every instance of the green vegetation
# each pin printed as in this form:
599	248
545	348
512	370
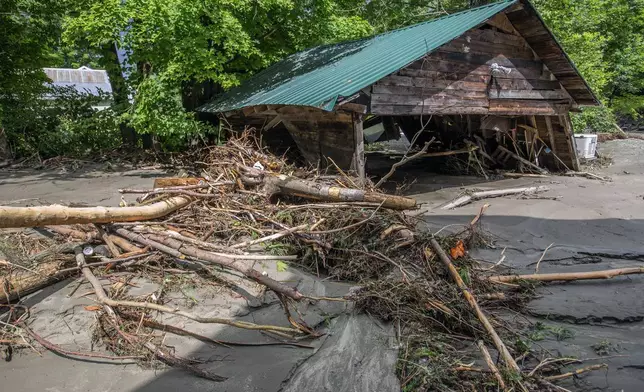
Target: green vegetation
181	52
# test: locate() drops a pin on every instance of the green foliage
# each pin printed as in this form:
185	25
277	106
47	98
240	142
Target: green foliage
176	46
629	104
180	52
68	125
281	266
598	119
158	110
27	28
605	39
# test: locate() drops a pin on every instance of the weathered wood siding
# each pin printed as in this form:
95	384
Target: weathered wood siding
525	21
321	135
459	78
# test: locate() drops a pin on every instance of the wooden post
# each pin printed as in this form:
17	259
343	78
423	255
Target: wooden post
567	124
551	138
358	162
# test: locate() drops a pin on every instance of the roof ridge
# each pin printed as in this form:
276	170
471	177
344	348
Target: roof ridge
384	33
490	5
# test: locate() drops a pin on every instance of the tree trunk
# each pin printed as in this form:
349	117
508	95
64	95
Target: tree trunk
114	70
61	215
310	190
23	282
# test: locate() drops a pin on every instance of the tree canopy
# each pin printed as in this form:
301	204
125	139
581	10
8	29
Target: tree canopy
181	52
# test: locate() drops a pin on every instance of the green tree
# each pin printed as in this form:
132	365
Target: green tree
175	47
605	38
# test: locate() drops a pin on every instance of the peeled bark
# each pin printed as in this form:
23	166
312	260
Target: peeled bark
310	190
61	215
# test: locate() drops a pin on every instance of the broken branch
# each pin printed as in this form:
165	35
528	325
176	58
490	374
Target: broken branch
568	276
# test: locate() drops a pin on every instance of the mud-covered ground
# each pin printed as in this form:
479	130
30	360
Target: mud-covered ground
593	225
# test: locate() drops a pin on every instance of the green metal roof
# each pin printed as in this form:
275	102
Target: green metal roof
318	76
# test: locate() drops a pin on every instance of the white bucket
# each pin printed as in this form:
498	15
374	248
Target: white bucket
586	145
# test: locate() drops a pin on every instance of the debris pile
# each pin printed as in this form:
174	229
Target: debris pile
247	207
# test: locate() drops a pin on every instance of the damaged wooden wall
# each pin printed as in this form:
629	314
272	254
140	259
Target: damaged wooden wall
320	136
490	70
482	72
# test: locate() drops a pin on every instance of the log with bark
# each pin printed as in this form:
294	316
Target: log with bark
61	215
293	186
26	280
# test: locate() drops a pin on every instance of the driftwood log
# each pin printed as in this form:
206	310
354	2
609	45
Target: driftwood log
568	276
466	199
61	215
287	185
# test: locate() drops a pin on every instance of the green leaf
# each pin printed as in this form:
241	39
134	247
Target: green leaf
281	266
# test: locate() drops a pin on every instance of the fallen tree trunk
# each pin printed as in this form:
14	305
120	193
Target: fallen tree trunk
61	215
568	276
179	249
310	190
466	199
23	282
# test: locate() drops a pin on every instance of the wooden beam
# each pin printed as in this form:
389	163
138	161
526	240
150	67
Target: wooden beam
522	160
273	123
551	134
501	22
351	107
358	161
567	124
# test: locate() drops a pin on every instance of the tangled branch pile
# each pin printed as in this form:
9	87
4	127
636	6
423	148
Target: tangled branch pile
249	207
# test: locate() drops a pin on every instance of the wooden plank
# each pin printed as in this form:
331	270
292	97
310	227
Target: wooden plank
522	160
468	44
422	78
435	100
479	93
482	59
351	107
358	161
527	107
473	69
501	22
497	37
525	84
527	94
551	134
567	124
273	123
406	110
310	150
431	85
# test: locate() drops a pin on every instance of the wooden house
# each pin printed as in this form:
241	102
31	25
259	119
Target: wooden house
493	77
